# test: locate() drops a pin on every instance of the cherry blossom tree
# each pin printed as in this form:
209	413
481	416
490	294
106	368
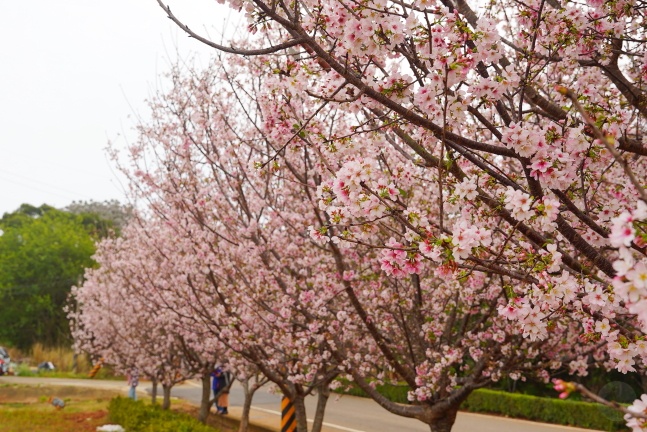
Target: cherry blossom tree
117	318
519	126
176	294
288	300
247	292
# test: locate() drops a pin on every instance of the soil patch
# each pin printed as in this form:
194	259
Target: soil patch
86	421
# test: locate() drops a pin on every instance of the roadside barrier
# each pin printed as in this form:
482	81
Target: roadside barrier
288	418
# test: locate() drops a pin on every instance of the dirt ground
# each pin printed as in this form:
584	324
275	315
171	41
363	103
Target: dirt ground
217	422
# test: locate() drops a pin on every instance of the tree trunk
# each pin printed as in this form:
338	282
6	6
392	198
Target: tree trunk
322	400
300	413
205	402
166	391
247	405
154	391
445	421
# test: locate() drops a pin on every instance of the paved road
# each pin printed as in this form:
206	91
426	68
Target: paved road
343	414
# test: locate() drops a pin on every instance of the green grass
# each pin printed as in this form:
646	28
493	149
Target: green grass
142	417
26	408
77	416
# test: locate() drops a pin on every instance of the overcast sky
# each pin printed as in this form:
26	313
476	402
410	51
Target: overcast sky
74	74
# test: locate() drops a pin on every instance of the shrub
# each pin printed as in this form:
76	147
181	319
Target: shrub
395	393
136	416
550	410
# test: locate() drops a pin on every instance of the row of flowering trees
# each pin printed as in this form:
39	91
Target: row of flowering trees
439	194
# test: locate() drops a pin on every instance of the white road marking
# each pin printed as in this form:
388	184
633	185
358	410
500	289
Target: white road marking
311	421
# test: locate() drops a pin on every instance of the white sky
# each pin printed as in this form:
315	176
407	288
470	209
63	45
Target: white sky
74	74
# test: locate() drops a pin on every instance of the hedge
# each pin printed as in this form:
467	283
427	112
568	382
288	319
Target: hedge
548	410
135	416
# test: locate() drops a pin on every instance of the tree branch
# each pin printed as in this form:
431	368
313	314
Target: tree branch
231	50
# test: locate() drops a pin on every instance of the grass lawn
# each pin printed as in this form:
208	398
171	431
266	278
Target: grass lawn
26	408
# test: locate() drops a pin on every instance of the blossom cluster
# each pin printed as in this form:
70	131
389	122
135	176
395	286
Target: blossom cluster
630	282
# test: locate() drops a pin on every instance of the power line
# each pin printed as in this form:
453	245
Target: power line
48	185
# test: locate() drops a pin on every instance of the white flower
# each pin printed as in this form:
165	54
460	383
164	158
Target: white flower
639	407
641	210
466	189
622	232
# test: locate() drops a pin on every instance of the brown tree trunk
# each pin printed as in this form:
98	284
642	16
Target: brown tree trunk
322	400
445	421
205	401
166	391
154	391
300	413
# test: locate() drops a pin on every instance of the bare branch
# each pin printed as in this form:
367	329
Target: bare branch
231	50
615	405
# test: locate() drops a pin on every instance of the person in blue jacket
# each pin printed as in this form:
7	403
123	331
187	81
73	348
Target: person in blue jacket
220	385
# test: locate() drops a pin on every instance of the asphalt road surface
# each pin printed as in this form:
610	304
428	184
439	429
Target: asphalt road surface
343	414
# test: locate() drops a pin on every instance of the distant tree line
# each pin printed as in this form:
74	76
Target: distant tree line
43	253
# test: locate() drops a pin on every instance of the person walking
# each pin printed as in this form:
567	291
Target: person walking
133	381
220	386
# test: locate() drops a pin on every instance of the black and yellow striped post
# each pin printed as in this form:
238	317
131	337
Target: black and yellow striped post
288	418
96	368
